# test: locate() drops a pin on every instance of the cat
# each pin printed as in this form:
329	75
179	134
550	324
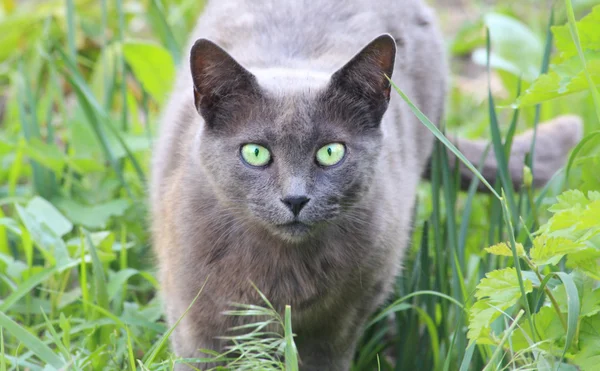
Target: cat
285	160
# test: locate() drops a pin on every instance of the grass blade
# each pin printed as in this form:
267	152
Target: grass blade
573	306
100	282
464	366
71	29
156	14
499	151
291	353
131	357
91	108
31	342
576	151
517	263
389	309
2	355
442	138
26	287
160	345
506	336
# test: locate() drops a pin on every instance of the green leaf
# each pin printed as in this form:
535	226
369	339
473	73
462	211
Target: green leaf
46	213
153	67
117	281
26	287
501	287
572	198
47	155
481	316
549	250
564	79
589	297
587	261
515	47
51	245
30	341
588	356
503	249
548	327
590	216
498	291
548	324
589	33
579	71
94	217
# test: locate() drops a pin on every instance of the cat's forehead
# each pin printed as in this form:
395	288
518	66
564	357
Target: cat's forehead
279	80
294	107
290	102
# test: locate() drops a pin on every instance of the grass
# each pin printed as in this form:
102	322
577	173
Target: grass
83	87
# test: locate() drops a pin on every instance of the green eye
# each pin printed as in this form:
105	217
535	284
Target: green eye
331	154
255	155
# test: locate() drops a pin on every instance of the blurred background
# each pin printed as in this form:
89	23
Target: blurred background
82	84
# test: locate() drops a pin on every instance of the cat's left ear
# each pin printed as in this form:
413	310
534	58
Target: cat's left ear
367	73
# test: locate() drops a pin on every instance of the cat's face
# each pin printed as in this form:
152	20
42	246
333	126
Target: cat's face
292	153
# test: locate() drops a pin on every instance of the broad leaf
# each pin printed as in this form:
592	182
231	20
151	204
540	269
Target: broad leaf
588	357
587	261
503	249
96	216
501	287
515	47
153	67
46	213
567	74
589	35
549	250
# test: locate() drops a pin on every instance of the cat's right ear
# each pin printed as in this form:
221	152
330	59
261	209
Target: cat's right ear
367	74
217	78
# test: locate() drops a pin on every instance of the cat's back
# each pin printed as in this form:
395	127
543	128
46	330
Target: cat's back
319	34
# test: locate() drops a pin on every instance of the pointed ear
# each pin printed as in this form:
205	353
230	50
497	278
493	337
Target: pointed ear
217	78
368	71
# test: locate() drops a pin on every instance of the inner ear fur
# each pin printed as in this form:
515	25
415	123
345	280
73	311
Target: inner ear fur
217	77
367	73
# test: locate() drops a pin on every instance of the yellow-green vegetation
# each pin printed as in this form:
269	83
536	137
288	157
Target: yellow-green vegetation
509	279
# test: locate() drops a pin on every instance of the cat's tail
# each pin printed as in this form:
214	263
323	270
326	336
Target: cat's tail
554	141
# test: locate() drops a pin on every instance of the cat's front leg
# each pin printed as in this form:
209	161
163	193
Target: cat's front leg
324	355
190	338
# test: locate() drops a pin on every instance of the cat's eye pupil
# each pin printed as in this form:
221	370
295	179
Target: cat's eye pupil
256	152
329	151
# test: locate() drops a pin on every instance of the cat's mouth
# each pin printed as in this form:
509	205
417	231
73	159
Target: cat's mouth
294	230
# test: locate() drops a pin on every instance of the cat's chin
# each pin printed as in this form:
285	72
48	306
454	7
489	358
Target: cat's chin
292	232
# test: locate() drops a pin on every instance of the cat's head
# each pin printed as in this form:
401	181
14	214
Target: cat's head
290	149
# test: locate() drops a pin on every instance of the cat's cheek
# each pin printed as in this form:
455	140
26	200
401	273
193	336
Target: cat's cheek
360	179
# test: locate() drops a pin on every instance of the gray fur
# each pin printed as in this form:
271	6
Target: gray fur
216	220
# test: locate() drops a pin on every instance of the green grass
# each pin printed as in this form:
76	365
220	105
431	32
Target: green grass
84	83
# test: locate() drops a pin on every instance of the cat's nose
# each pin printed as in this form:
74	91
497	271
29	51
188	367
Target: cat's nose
295	203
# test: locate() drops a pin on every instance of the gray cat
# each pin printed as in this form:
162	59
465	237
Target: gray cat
288	162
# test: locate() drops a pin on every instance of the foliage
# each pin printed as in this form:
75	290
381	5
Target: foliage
568	72
572	233
82	84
